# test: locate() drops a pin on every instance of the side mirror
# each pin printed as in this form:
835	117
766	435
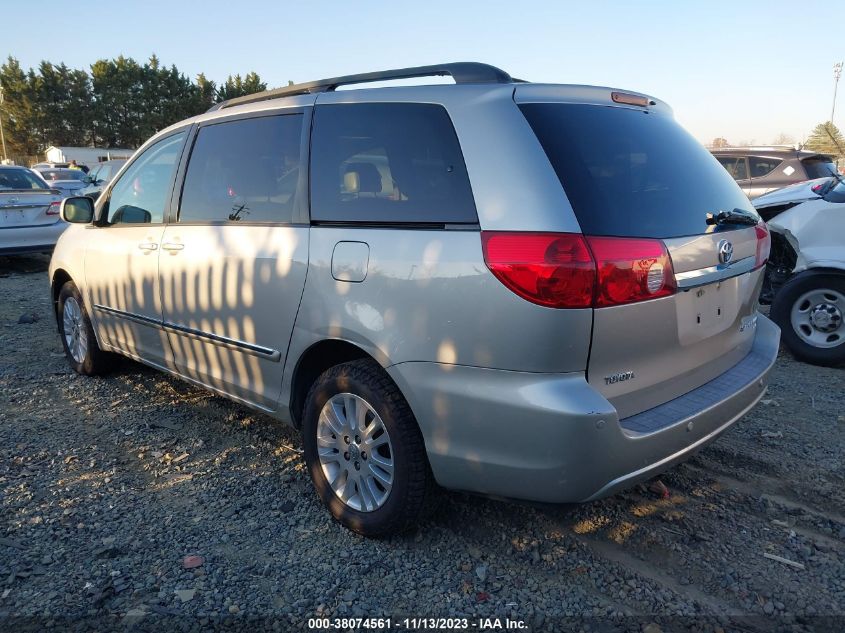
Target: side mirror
77	210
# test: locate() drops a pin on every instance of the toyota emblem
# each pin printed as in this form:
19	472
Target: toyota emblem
726	251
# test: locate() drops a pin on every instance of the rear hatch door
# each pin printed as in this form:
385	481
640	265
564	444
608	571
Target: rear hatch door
633	172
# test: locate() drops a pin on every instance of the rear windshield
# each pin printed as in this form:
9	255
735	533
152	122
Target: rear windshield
632	173
20	179
62	174
819	168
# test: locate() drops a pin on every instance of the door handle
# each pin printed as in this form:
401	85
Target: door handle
172	246
148	246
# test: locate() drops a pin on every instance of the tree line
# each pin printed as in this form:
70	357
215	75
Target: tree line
118	103
825	139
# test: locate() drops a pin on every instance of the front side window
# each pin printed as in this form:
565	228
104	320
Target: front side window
246	170
736	167
760	166
143	191
388	162
102	173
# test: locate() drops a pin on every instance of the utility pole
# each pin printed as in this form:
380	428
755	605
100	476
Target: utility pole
837	73
2	137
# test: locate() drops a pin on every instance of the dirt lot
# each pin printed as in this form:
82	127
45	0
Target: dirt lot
107	484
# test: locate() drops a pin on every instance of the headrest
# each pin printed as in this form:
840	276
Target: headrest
361	178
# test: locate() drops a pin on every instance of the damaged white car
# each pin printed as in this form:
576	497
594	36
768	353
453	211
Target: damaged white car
805	280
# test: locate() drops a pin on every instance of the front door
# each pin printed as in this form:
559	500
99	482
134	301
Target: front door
122	254
232	266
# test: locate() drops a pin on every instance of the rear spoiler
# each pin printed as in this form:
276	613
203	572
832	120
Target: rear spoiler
51	190
822	157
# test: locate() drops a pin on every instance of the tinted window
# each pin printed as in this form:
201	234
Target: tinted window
388	162
20	179
143	191
736	167
819	168
244	171
631	173
62	174
836	193
760	166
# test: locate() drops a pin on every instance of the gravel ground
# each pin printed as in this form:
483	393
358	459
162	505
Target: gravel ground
107	484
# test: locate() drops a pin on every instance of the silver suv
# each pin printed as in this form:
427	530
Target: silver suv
531	291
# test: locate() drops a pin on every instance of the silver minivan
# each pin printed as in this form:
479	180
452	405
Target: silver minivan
531	291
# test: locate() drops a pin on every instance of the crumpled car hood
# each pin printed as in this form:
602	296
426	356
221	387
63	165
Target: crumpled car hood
816	230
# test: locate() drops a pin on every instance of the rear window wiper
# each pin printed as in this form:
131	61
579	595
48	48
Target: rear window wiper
737	216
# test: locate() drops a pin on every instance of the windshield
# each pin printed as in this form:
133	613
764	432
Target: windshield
632	173
20	179
63	174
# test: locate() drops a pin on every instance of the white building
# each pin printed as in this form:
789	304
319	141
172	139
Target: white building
85	155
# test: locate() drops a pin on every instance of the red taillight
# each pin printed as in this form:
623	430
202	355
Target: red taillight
568	270
631	269
764	244
54	208
550	269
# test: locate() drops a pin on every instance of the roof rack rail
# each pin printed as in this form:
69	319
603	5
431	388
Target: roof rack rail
461	72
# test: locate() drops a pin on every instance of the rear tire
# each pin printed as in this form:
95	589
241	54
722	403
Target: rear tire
810	310
385	491
80	344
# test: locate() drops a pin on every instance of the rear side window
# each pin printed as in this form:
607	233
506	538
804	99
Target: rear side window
245	170
735	166
632	173
761	166
388	162
819	168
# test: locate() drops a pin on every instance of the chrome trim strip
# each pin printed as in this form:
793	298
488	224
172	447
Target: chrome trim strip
702	276
273	355
131	316
224	341
193	381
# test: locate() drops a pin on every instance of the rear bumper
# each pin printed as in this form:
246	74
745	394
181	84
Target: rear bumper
553	438
17	240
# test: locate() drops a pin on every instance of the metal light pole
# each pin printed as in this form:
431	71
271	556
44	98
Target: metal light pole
837	73
2	137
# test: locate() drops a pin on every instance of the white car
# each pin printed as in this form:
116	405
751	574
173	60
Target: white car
69	181
29	212
806	271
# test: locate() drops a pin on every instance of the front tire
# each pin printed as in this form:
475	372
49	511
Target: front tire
77	334
364	450
810	310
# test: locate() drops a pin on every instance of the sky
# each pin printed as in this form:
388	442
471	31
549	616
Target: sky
746	71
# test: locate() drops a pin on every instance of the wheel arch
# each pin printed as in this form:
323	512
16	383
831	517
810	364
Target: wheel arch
316	359
59	279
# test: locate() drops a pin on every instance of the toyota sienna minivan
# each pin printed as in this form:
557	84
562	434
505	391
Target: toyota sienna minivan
531	291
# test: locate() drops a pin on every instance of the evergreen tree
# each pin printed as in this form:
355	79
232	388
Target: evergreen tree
120	103
826	139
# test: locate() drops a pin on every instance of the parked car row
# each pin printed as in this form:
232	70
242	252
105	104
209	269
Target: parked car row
29	212
522	290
